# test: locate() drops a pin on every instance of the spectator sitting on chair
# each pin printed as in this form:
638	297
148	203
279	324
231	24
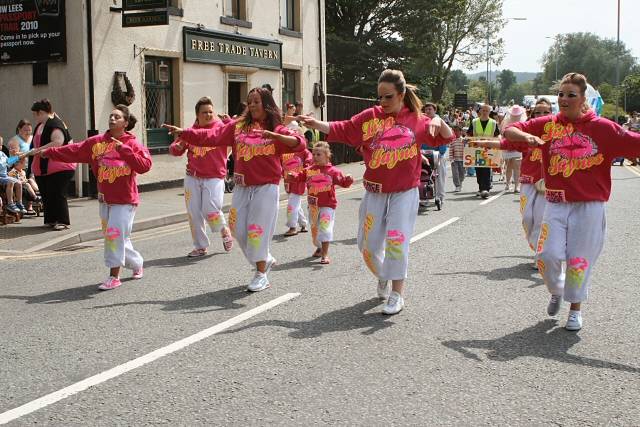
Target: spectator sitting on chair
29	186
12	185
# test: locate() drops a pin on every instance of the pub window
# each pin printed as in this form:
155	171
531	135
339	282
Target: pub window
290	14
289	87
236	9
158	89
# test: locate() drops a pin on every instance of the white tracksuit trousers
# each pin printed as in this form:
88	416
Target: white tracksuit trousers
252	219
204	199
387	222
117	222
574	233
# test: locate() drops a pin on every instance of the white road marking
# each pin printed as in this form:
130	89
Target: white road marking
492	198
433	230
56	396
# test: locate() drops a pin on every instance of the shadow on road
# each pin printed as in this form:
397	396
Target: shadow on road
65	295
540	340
520	271
224	299
179	260
346	242
309	262
342	320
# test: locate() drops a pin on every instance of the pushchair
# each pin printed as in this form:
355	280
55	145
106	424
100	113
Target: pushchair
427	189
229	183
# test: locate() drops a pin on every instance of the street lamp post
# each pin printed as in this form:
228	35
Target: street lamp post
618	64
555	53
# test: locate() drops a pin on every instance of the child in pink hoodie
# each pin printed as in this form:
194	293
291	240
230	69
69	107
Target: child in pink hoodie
116	157
295	163
258	139
204	183
321	179
390	136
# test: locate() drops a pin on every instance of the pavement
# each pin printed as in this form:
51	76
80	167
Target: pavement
186	345
157	208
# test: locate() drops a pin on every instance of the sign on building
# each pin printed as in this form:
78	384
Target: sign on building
32	31
230	49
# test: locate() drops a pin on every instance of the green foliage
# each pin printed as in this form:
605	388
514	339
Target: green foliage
506	79
589	54
631	91
424	38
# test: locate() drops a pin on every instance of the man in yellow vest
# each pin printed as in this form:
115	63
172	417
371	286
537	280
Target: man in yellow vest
484	126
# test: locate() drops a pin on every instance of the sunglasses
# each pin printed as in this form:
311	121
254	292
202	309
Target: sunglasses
568	95
387	97
540	113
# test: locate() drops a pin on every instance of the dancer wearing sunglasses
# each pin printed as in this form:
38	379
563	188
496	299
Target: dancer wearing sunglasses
389	136
577	150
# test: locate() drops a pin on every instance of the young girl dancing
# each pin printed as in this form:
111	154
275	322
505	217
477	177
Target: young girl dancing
295	163
258	139
116	157
390	136
577	151
321	179
204	182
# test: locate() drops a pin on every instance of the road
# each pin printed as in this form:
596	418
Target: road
473	346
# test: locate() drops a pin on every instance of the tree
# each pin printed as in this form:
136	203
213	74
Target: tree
538	86
586	53
361	41
458	81
631	95
450	31
506	79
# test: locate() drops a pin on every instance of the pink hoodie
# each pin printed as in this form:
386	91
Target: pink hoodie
202	162
295	163
577	155
257	160
115	169
321	182
390	146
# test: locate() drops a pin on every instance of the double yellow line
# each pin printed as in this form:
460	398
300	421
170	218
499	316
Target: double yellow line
144	235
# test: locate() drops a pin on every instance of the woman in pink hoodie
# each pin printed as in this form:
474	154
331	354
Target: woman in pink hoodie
204	183
577	151
390	136
116	157
258	139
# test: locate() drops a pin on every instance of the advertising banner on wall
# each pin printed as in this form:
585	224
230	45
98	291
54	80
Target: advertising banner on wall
32	31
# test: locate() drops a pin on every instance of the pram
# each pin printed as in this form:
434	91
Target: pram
427	189
229	183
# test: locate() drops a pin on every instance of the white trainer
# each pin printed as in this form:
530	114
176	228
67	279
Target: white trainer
394	304
384	289
554	305
259	283
574	322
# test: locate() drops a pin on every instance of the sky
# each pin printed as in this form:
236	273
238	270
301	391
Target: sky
525	41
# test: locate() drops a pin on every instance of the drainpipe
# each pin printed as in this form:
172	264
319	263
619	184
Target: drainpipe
93	187
320	32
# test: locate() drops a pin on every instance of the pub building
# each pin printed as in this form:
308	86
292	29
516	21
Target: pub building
159	56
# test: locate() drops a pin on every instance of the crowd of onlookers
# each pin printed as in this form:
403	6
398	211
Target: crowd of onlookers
18	188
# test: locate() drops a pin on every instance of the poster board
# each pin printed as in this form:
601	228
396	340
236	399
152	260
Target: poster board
476	157
32	31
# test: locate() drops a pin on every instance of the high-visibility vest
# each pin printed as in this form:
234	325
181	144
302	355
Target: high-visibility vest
489	130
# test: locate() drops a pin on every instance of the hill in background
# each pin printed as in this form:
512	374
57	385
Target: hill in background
521	77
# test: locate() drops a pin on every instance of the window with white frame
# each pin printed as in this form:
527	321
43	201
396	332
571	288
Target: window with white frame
236	9
290	15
